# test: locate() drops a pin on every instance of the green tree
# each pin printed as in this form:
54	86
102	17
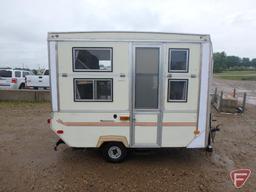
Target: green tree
219	62
232	61
246	62
253	63
223	62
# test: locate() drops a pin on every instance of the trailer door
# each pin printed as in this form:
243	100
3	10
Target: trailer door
146	108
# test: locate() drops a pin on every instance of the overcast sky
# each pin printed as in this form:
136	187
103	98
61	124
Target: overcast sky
24	23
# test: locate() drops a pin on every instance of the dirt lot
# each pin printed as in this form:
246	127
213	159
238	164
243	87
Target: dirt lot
29	163
241	86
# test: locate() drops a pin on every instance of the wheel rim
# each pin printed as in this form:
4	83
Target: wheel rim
114	152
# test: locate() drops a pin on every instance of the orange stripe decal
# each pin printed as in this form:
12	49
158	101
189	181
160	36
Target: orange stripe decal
145	123
179	124
92	124
120	124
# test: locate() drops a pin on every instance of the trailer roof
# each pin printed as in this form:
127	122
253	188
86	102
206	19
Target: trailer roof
126	36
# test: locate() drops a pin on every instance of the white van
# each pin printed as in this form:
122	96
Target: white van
120	90
13	78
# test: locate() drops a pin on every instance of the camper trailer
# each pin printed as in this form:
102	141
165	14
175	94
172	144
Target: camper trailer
123	90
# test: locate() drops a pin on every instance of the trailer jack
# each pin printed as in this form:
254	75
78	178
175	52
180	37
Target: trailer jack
211	138
60	141
212	133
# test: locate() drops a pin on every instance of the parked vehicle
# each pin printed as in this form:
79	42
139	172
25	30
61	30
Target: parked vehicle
13	78
38	81
120	90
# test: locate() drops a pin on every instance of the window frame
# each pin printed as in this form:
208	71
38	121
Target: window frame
170	60
92	48
94	80
169	89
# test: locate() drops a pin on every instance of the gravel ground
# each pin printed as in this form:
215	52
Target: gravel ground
29	163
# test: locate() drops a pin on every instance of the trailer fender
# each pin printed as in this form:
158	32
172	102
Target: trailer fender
112	138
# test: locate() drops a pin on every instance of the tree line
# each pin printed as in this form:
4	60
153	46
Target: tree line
222	62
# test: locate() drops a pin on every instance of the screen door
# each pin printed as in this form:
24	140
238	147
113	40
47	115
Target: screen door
146	101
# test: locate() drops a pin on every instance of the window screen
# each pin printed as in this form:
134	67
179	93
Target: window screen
93	89
146	78
17	74
178	60
103	89
177	90
92	59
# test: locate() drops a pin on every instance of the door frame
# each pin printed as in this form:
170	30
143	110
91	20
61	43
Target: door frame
159	111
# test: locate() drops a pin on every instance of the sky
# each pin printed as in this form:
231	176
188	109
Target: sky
24	23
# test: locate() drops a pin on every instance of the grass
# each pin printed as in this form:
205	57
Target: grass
237	75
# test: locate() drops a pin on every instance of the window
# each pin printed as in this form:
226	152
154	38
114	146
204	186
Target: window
46	72
93	89
178	60
92	59
17	74
103	90
25	73
5	73
177	90
146	77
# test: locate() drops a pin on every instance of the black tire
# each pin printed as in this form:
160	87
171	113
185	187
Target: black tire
114	152
209	149
22	86
36	88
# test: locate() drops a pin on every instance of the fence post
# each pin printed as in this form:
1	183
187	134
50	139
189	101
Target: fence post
244	102
234	92
215	95
221	97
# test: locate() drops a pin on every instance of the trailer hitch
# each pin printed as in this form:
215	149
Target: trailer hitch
60	141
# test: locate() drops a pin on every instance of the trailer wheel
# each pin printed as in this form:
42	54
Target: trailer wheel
114	152
209	148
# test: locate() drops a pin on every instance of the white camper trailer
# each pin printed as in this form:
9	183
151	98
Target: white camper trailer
120	90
